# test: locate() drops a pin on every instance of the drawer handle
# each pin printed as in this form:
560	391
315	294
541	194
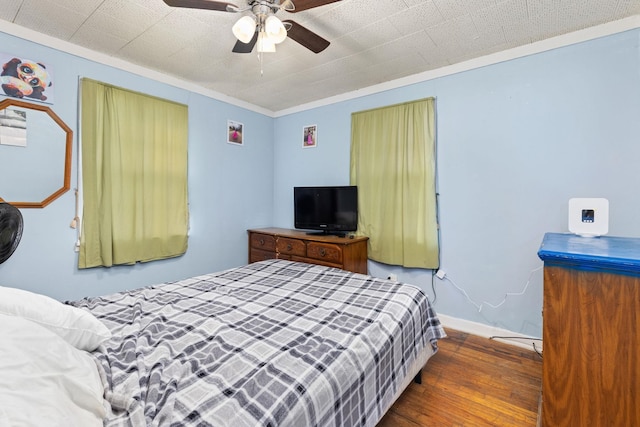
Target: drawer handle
289	247
322	252
261	242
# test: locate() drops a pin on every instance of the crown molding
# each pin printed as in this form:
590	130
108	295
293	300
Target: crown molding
568	39
111	61
591	33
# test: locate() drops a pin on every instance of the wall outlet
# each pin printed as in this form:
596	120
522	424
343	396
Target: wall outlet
393	277
440	274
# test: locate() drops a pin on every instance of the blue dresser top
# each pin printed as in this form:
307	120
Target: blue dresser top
617	254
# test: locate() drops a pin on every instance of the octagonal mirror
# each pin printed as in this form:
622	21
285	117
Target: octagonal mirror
35	154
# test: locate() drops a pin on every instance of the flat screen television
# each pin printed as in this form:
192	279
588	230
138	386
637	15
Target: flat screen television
333	210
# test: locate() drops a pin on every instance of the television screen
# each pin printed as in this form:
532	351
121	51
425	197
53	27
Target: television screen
334	210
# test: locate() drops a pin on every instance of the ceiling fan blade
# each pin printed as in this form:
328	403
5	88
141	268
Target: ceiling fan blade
301	5
246	47
306	37
202	4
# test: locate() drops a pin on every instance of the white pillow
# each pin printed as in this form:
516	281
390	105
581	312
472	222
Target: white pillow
78	327
45	381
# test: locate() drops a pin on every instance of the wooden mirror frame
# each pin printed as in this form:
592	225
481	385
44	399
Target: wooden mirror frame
67	157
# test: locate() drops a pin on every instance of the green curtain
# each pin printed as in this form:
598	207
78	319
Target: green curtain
393	165
134	177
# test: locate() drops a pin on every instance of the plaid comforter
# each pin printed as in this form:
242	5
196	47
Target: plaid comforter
274	343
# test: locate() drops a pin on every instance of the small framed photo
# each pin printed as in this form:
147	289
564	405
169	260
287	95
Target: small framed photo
310	136
235	132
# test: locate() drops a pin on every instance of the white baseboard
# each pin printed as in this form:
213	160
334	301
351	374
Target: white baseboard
487	331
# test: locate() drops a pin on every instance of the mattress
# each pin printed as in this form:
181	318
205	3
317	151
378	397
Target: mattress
273	343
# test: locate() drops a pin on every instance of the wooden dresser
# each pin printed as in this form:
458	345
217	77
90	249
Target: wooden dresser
332	251
591	331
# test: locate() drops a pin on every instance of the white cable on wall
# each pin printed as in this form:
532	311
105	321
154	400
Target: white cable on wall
480	306
76	222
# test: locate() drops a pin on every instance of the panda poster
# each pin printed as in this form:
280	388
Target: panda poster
25	78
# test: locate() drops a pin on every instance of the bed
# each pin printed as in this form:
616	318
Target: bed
272	343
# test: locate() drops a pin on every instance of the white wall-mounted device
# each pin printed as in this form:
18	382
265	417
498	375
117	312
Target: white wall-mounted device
589	217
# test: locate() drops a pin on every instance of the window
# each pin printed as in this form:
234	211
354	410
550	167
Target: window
134	177
393	165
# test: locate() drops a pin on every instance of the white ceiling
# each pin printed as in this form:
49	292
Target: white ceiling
372	41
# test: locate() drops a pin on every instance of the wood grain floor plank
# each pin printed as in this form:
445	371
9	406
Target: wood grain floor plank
472	381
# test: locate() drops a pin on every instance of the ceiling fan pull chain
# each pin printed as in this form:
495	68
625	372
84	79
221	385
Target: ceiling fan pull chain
260	56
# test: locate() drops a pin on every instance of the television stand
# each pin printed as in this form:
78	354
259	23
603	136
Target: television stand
297	245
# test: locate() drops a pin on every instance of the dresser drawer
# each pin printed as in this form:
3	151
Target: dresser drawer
264	242
316	261
325	251
291	246
332	251
259	255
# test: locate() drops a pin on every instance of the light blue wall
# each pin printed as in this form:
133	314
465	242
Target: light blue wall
516	141
230	189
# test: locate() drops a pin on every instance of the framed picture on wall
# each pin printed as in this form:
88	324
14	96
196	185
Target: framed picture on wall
13	127
26	78
235	132
310	136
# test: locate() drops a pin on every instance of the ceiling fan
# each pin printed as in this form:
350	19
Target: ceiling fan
262	27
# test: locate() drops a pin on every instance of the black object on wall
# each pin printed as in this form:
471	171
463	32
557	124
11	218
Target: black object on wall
10	230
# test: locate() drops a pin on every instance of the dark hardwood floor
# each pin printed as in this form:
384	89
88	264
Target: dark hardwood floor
472	381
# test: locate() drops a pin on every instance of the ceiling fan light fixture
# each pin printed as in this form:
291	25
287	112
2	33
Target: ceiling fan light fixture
259	16
265	44
244	29
275	29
